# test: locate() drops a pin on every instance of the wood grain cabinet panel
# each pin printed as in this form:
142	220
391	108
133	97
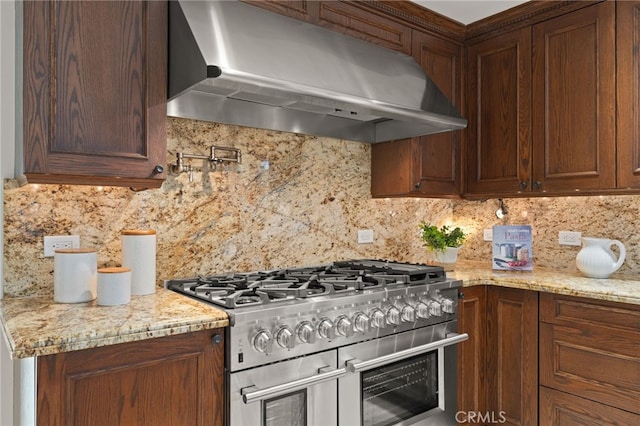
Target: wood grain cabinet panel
427	166
472	317
574	129
591	349
512	355
498	107
170	380
95	92
563	409
628	93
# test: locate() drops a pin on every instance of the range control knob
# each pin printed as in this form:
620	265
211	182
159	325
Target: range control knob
435	309
285	337
422	310
361	323
344	326
326	329
447	305
407	313
393	315
306	333
378	319
262	342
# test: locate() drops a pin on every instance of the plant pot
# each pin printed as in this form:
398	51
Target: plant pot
447	258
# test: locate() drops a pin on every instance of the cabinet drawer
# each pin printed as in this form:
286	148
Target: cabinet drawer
582	312
559	408
593	362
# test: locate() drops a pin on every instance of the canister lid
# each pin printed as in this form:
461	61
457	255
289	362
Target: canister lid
138	232
114	270
75	250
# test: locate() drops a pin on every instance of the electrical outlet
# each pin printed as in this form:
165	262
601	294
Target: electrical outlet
488	234
365	236
569	238
52	243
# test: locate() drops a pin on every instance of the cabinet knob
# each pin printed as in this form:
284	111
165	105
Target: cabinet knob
216	339
418	185
158	169
523	184
537	184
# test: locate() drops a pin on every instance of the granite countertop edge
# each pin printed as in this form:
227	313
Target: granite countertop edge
617	288
37	326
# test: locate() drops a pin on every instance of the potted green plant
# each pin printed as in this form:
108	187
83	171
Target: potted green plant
442	243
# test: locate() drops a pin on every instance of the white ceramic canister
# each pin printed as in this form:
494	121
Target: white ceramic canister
75	275
139	254
114	286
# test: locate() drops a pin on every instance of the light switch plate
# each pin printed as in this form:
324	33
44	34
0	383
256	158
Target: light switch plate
488	234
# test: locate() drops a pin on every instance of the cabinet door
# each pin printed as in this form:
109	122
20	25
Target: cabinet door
574	101
512	355
471	353
170	380
354	20
437	157
95	92
427	165
499	106
628	92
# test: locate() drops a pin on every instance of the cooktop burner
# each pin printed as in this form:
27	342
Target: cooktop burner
237	290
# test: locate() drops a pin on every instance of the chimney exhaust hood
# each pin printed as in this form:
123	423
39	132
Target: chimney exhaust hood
234	63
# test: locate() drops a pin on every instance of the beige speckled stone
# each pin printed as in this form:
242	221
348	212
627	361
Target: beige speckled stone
306	209
38	326
618	288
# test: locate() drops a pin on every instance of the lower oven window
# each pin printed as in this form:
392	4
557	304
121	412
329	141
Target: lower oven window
400	391
290	409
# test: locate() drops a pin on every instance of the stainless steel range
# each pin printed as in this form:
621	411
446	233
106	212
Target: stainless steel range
357	342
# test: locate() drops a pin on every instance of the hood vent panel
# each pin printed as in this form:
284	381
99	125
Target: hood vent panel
234	63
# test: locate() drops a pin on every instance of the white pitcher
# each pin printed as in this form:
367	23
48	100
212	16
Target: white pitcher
596	260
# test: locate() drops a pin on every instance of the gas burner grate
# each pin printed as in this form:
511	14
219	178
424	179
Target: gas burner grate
343	277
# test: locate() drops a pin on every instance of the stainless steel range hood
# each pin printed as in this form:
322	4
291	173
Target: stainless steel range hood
234	63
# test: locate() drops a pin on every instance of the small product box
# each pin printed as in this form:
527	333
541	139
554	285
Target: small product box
512	248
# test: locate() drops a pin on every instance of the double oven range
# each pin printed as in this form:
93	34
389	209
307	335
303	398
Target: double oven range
357	342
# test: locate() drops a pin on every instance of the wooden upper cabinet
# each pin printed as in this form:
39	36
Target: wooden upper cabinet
628	92
437	163
573	112
498	108
349	18
427	165
95	92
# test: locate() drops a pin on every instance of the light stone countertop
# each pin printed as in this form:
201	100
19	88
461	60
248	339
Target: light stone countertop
37	326
617	288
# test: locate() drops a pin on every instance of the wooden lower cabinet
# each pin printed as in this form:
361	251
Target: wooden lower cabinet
590	360
472	314
498	365
175	380
560	408
512	355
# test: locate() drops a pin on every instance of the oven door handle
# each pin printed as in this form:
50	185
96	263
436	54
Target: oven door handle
355	365
252	393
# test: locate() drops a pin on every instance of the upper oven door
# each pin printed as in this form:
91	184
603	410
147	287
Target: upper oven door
298	392
402	379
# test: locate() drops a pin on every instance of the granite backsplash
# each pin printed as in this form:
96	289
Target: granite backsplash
305	208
